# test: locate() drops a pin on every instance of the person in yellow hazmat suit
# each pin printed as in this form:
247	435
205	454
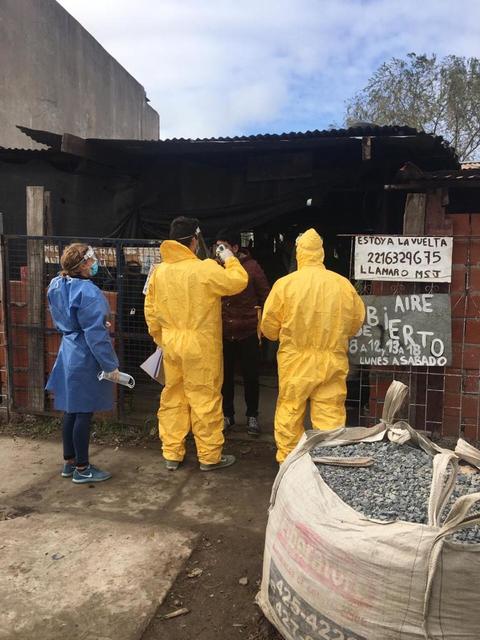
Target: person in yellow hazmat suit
184	317
313	312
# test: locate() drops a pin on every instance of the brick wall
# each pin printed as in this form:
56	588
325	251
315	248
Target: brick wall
461	401
3	367
19	341
445	400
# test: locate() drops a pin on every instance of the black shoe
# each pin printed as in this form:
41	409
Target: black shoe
253	428
228	422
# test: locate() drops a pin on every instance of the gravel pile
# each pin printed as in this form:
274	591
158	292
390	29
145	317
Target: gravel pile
395	487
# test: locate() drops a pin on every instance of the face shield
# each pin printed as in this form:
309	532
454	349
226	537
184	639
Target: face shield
90	254
201	251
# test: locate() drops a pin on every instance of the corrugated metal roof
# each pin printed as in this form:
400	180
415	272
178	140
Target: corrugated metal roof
54	140
350	132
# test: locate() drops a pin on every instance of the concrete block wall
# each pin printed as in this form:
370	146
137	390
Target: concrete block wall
61	79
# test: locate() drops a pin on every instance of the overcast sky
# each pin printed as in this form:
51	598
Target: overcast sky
236	67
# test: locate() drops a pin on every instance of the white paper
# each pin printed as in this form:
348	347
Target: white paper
145	286
404	258
153	366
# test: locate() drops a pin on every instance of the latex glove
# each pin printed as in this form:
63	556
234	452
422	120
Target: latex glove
223	254
113	375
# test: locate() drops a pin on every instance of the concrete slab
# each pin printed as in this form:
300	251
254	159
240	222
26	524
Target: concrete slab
38	460
139	489
64	577
207	503
35	459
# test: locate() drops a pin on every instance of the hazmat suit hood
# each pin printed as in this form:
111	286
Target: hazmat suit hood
310	251
173	251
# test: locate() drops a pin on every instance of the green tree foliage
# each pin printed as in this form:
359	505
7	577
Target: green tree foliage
436	96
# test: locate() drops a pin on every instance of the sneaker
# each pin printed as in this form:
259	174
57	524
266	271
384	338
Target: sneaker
225	461
90	474
253	428
68	469
228	422
172	465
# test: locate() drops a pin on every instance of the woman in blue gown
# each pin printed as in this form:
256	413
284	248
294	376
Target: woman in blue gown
80	312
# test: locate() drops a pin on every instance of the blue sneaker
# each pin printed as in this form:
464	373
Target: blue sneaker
90	474
68	469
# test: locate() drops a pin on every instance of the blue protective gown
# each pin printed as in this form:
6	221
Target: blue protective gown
79	310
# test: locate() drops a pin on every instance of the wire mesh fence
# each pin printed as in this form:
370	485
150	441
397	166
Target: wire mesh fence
33	341
442	399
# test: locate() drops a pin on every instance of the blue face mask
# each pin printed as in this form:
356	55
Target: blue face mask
94	268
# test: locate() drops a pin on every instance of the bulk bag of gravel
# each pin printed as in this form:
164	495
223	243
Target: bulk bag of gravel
333	573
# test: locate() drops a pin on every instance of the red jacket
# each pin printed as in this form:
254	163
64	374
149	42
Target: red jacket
239	314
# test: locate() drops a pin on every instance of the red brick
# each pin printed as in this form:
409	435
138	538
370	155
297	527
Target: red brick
20	399
453	383
457	354
475	224
461	224
458	279
18	314
457	330
470	382
453	412
20	379
20	357
472	331
471	431
50	361
436	380
460	252
420	415
3	357
470	406
474	279
471	356
52	343
18	292
19	337
474	252
112	296
450	425
452	400
458	303
473	305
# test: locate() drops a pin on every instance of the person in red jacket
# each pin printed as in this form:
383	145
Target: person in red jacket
240	314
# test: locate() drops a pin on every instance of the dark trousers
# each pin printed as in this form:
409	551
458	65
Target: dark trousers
247	353
76	437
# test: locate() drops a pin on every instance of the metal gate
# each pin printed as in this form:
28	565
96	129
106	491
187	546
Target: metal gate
32	340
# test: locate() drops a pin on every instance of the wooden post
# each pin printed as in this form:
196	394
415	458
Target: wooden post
48	213
414	214
35	298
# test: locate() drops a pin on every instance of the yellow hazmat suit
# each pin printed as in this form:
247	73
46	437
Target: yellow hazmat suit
313	312
184	317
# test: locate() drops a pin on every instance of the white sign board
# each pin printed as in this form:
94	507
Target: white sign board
406	258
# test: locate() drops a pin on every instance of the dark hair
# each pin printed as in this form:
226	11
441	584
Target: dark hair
232	237
183	229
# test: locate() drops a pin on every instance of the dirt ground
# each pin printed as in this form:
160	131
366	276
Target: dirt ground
226	510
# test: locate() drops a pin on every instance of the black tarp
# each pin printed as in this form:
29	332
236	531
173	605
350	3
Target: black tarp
134	189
